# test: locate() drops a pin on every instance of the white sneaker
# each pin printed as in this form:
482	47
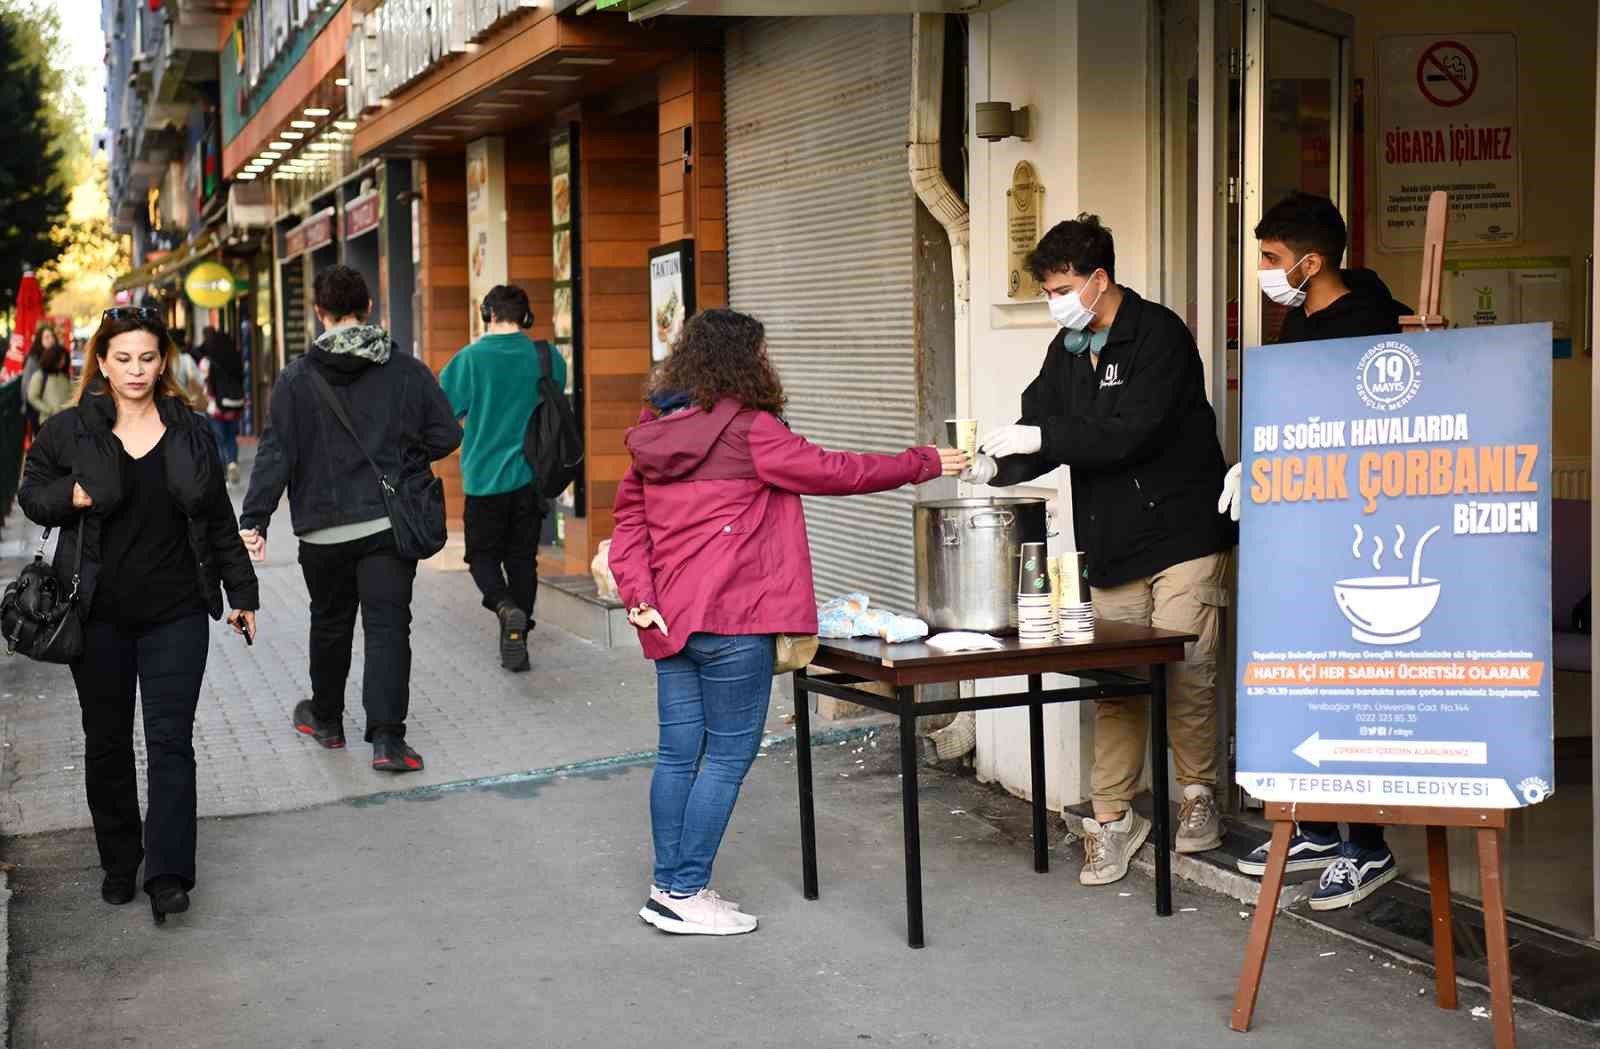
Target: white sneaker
660	896
233	473
1108	848
703	914
1199	823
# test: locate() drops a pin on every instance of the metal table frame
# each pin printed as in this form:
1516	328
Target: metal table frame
905	667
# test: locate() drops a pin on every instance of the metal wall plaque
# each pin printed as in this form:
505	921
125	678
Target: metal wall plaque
1024	227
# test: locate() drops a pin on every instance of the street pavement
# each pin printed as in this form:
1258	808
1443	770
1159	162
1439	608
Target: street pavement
490	901
504	916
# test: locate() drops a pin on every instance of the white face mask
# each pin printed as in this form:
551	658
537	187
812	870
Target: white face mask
1069	311
1275	285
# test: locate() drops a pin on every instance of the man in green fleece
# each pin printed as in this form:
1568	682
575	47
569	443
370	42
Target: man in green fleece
494	385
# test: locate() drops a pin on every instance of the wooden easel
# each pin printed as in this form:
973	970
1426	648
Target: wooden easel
1489	823
1427	317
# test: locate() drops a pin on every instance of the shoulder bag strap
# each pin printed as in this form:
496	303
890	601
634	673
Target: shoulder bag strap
77	562
563	407
332	400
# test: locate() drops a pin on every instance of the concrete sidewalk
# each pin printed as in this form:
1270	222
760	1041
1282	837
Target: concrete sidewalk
503	917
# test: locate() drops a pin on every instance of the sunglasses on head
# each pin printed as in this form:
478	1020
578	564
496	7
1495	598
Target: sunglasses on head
148	314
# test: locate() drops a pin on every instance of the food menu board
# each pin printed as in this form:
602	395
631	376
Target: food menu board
564	318
1395	621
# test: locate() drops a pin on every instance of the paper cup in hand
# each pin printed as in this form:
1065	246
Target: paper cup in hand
963	435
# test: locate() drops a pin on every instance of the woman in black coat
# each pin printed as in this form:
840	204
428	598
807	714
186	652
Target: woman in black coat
134	467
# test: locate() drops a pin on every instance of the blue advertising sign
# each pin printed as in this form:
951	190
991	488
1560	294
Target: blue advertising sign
1394	581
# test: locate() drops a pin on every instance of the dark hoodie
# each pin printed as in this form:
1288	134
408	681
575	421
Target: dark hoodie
1368	309
393	400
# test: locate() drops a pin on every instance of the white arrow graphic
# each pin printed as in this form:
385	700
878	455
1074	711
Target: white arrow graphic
1315	750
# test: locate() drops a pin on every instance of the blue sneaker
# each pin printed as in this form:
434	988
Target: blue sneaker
1306	853
1354	876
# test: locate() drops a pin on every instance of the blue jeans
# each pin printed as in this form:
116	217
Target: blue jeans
712	699
226	433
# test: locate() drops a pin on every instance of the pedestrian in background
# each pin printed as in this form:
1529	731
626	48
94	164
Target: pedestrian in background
49	389
222	375
494	385
712	561
44	338
133	469
347	547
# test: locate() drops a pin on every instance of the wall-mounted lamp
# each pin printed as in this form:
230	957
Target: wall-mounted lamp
997	121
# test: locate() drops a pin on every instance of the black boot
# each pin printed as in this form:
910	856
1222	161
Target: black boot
167	896
119	888
513	637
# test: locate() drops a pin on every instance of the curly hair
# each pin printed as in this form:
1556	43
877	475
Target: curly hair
720	354
1081	245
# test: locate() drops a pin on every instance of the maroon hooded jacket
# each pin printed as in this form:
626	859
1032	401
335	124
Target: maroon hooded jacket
709	527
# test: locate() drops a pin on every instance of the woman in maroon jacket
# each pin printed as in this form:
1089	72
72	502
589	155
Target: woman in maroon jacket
710	557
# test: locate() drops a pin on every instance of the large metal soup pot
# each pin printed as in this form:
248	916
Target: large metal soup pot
968	556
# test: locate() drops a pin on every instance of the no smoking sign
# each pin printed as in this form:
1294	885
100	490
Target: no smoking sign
1447	73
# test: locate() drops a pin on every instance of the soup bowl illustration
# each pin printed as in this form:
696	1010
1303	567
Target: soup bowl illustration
1386	609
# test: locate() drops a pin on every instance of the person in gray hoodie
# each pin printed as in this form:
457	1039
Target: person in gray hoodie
347	547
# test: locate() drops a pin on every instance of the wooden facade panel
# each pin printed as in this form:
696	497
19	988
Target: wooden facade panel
631	335
631	200
605	497
630	360
711	235
607	467
710	267
616	389
712	204
621	280
675	79
671	209
671	233
680	111
618	226
620	254
712	169
603	307
670	179
617	415
711	297
707	106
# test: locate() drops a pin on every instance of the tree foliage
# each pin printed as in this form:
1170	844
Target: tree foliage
91	254
41	136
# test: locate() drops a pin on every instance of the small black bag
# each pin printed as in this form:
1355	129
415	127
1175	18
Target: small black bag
551	443
414	500
39	620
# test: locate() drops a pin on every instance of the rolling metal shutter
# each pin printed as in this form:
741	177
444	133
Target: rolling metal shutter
820	248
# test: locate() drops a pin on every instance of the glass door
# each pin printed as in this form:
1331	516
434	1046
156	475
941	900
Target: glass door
1298	90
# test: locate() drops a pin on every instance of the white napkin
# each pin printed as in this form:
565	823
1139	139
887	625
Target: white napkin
962	641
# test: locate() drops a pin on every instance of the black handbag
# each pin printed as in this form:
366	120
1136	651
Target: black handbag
36	617
414	500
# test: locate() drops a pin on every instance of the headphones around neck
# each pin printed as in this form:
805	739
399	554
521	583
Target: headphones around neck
488	316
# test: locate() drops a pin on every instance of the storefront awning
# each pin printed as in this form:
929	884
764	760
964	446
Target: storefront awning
169	267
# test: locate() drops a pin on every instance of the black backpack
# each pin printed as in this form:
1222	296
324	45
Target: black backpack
227	380
551	443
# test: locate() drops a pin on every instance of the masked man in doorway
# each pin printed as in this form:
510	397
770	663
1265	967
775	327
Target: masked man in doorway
1302	240
1122	400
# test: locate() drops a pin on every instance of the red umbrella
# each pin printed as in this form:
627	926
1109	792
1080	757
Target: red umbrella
30	306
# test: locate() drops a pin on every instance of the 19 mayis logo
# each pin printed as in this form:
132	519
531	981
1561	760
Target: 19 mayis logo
1534	790
1389	376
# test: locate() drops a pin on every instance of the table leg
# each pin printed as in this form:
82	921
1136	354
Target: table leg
1160	828
905	699
802	764
1041	844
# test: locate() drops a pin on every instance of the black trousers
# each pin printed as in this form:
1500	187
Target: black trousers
503	546
365	575
166	663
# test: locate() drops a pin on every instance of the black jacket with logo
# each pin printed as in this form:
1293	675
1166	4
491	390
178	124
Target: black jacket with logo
1141	439
77	446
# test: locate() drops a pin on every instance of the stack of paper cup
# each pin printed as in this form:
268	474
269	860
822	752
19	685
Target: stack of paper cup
1074	609
1036	620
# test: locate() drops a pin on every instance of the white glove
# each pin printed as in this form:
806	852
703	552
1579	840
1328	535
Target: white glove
1012	440
981	471
1228	502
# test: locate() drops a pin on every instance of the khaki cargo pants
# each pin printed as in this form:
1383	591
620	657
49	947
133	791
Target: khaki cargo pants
1189	597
